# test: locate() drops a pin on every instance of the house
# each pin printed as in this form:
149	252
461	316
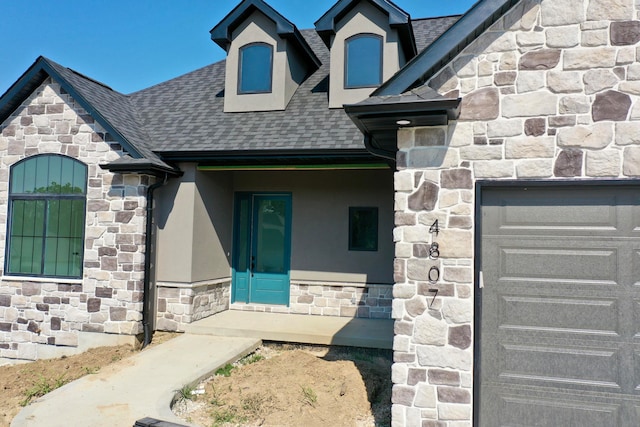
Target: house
259	190
501	147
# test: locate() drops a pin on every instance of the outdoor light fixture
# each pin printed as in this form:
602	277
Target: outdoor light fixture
403	122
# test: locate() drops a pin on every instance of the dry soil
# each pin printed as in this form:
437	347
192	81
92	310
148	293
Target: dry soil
284	385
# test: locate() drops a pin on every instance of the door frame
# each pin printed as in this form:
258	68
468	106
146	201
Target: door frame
238	195
480	186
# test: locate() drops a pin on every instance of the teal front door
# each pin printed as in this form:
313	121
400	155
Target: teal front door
262	248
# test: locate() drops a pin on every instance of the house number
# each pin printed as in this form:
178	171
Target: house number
434	253
434	274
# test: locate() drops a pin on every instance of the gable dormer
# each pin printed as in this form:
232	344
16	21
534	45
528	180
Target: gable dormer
369	40
267	58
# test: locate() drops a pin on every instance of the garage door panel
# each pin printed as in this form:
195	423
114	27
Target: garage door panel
636	268
595	264
566	366
534	314
636	370
518	407
636	319
636	216
560	307
581	214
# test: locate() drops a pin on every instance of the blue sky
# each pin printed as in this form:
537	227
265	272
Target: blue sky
133	44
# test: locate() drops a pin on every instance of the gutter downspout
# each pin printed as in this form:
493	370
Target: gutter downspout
146	296
377	151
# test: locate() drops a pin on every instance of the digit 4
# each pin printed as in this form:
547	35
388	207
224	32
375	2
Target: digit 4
435	227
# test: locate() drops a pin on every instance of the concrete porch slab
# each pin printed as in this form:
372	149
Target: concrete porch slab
325	330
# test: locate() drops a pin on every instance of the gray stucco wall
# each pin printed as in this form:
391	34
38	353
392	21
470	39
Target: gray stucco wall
195	233
194	220
320	227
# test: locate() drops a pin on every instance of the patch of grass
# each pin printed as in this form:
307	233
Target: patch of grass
226	370
91	371
253	404
309	397
41	387
186	393
215	398
252	358
227	416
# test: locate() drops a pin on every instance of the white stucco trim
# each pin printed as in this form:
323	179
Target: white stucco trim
180	285
341	284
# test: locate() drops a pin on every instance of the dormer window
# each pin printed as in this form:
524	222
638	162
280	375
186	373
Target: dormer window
363	61
256	68
267	58
369	41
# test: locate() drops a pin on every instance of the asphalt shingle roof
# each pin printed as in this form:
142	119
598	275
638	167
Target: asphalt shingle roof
427	30
115	107
186	113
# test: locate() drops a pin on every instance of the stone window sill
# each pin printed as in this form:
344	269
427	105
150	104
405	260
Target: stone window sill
41	280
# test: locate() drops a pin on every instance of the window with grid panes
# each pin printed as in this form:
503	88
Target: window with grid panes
47	198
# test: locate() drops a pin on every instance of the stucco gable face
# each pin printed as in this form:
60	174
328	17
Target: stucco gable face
288	69
362	19
108	297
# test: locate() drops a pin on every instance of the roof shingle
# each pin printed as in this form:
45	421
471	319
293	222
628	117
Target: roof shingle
186	114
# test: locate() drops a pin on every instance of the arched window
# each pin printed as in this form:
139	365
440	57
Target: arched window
255	68
47	197
363	61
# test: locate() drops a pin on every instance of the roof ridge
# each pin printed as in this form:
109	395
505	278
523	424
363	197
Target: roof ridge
429	18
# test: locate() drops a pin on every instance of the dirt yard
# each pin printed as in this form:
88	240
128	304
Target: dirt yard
280	385
21	383
284	385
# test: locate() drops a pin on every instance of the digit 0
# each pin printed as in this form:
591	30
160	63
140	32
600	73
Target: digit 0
434	274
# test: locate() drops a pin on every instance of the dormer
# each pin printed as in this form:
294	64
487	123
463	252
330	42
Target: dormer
267	58
369	40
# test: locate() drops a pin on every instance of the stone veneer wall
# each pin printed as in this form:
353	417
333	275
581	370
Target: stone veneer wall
371	301
179	305
551	91
108	298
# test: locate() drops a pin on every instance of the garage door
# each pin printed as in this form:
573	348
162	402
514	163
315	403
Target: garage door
560	307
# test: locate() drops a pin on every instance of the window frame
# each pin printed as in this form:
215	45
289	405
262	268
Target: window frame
47	198
347	41
376	217
240	68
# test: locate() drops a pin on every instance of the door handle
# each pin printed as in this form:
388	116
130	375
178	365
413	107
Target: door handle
253	264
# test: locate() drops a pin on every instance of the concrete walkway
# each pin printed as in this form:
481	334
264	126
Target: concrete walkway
142	386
